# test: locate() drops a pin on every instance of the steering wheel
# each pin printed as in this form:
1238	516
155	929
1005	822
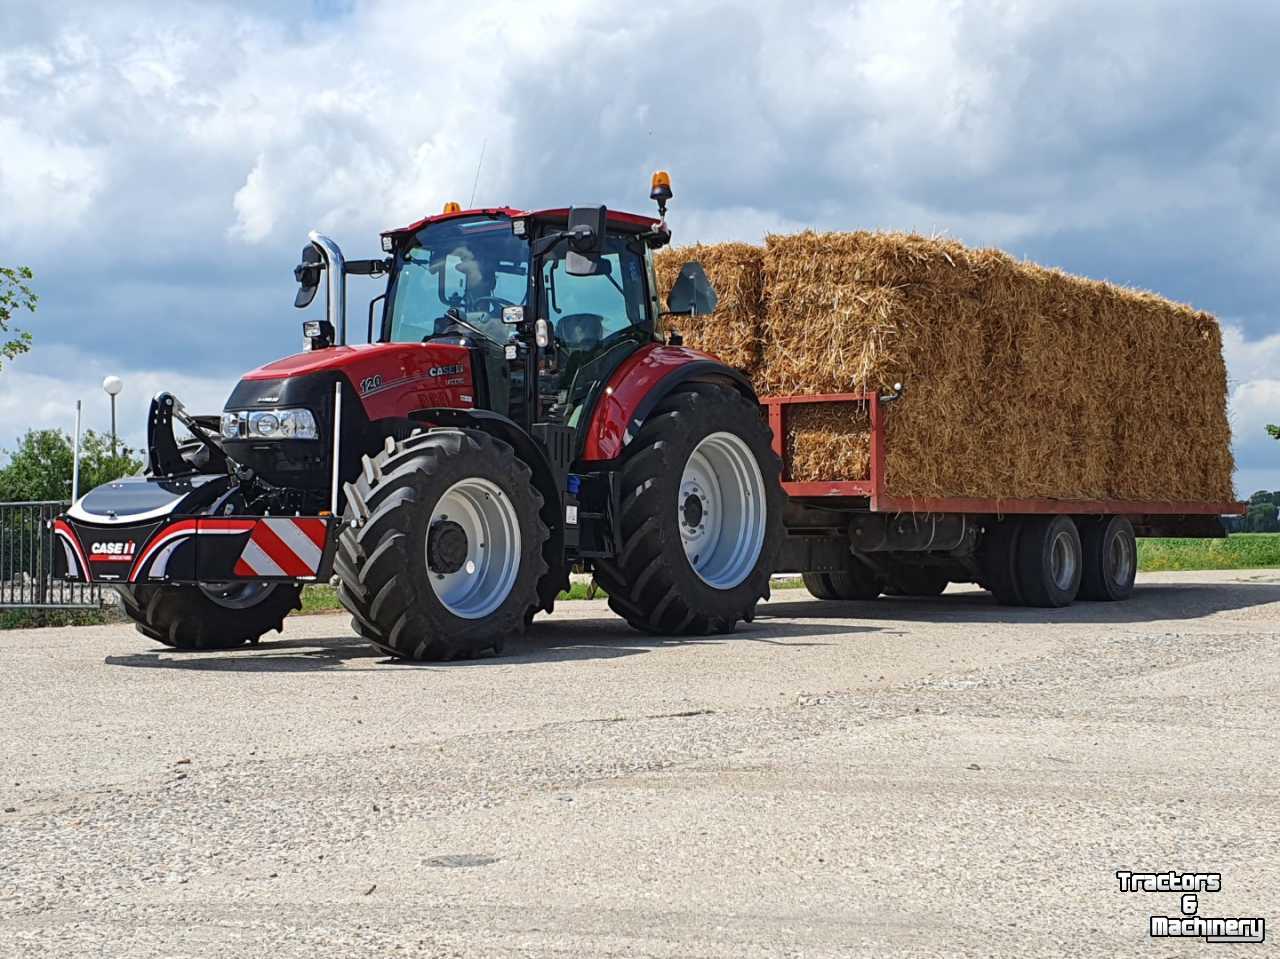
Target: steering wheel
491	299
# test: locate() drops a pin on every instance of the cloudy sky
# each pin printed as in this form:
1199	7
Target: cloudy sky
160	163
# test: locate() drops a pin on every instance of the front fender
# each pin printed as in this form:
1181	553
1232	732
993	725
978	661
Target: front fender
639	384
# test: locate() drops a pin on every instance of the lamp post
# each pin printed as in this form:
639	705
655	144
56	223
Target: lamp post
75	459
112	385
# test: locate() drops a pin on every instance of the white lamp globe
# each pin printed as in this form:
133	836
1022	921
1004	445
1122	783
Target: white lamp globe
113	385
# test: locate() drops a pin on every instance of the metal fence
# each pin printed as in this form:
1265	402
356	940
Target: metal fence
26	561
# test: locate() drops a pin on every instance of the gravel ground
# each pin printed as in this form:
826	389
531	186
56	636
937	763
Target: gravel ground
941	777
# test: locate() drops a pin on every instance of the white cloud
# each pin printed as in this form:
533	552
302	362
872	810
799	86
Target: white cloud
1249	360
1253	376
44	180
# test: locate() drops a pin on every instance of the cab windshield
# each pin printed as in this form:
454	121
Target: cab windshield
467	269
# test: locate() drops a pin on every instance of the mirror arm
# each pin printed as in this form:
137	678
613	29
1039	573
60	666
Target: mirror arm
544	245
369	267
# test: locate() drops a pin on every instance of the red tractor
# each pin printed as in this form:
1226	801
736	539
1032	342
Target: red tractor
514	414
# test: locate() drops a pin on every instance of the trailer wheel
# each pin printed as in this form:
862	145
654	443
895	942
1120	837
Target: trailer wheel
443	551
916	581
1110	559
855	584
1050	561
701	516
211	615
998	561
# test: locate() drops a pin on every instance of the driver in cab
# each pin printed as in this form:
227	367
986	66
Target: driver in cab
481	309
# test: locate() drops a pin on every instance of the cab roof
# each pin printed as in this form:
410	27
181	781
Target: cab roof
631	222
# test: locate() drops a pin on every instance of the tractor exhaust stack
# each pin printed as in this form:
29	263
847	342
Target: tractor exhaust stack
336	290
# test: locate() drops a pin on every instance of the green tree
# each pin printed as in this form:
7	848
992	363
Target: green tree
40	468
1274	431
15	295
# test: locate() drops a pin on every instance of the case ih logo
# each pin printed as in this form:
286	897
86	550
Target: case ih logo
113	552
445	370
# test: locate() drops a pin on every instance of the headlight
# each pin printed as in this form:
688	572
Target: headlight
269	425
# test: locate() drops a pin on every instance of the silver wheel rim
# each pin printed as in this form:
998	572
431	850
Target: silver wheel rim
486	577
237	595
1121	560
721	510
1063	566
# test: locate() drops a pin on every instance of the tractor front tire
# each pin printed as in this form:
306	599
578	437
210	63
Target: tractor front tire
442	552
701	516
209	616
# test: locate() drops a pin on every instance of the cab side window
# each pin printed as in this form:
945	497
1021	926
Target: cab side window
584	310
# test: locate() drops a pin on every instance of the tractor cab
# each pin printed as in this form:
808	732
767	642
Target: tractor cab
554	300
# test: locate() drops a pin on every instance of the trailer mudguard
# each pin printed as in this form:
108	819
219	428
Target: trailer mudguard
639	384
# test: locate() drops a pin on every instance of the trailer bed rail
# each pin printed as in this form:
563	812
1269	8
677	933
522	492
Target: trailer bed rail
879	500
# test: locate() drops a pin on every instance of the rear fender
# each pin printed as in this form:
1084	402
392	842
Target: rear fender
640	383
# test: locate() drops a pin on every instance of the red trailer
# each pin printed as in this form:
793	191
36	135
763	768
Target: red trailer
852	539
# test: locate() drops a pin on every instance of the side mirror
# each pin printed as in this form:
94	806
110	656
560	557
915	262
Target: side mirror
307	273
586	239
692	292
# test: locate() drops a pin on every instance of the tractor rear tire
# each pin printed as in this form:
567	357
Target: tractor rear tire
1110	559
442	552
198	618
855	584
701	516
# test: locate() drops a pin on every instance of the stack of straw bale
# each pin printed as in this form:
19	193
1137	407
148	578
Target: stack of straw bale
1020	381
732	332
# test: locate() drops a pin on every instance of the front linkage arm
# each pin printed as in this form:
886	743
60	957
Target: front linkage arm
164	456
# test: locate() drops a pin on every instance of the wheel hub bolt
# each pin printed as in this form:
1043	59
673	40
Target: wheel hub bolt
693	511
446	547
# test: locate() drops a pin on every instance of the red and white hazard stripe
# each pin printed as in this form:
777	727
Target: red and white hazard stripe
170	538
71	547
283	547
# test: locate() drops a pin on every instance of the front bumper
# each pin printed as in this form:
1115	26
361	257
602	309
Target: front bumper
196	548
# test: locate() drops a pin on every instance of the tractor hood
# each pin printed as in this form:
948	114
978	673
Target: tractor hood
334	358
379	382
388	379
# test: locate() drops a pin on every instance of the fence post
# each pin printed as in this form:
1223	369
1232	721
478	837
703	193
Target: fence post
42	584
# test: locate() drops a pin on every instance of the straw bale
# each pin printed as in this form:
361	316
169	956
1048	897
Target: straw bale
829	441
1020	381
732	332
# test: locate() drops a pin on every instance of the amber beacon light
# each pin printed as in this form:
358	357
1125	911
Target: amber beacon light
660	190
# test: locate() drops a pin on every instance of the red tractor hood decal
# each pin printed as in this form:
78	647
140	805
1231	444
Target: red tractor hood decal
391	379
340	358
